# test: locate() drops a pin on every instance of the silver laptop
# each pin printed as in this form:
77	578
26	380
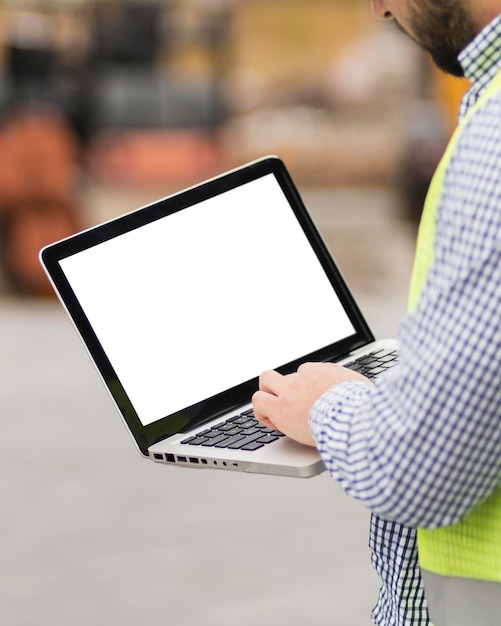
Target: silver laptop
182	304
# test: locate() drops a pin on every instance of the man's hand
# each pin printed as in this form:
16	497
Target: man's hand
283	402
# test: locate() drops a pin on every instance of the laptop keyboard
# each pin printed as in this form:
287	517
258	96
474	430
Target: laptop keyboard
241	432
374	363
244	432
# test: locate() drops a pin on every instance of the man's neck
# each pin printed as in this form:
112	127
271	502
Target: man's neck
484	11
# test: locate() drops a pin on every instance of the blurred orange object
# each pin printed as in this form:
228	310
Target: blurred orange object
24	231
39	170
39	156
449	91
154	156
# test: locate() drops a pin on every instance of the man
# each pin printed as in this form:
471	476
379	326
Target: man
422	447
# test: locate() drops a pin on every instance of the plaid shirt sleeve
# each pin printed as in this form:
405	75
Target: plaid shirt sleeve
422	447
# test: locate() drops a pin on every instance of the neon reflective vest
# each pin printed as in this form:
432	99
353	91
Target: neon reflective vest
472	547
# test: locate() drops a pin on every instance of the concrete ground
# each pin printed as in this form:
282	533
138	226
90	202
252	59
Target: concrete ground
93	534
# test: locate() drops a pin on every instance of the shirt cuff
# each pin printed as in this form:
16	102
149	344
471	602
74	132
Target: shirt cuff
337	406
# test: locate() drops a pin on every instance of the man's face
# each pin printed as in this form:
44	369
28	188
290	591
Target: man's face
442	27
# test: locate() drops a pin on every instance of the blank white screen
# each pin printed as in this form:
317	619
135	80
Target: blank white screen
204	299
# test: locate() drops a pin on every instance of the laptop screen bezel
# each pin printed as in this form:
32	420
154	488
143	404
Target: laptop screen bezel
190	417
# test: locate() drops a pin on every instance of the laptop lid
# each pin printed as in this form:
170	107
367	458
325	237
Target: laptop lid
182	304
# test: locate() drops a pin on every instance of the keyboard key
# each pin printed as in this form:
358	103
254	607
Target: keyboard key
243	419
226	443
189	440
204	432
233	431
255	445
196	441
270	431
244	441
225	426
212	433
214	441
267	439
251	431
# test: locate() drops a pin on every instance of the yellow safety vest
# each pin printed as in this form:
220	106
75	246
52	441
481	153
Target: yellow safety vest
472	547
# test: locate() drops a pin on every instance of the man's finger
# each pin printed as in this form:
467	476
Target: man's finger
271	382
263	404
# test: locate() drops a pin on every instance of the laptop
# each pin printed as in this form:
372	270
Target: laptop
182	303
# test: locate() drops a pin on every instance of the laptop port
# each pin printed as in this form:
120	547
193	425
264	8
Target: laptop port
158	457
170	458
203	461
182	459
193	459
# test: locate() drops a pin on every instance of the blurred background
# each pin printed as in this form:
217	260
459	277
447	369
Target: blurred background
106	105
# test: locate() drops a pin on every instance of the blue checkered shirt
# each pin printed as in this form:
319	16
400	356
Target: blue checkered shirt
422	447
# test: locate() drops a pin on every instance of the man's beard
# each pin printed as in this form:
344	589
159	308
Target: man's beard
443	28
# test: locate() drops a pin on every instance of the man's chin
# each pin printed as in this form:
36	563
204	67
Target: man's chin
446	62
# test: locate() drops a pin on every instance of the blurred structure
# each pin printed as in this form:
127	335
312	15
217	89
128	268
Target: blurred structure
165	93
122	71
157	98
45	58
29	55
